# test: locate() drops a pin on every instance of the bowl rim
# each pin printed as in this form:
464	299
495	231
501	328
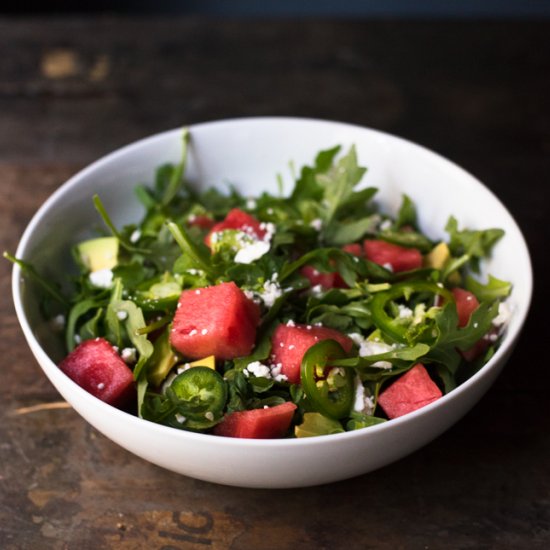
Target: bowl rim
51	369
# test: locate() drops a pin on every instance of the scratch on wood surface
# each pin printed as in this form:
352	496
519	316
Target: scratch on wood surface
59	63
100	69
40	407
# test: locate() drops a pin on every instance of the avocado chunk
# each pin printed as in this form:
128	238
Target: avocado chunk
98	254
438	256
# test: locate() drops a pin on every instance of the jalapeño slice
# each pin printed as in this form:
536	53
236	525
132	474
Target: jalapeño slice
330	390
390	326
202	393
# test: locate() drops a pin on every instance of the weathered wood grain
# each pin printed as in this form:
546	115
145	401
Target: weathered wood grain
71	90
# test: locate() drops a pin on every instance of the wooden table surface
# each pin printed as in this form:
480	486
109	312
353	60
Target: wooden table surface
477	92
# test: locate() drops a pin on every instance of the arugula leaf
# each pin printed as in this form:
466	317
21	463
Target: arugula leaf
450	338
406	214
176	177
494	289
338	184
475	244
307	187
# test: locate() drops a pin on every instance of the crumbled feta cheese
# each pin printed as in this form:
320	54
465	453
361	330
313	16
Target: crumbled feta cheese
100	386
252	252
250	204
504	315
193	332
103	278
317	290
121	315
388	266
371	347
290	323
135	236
317	224
128	355
271	291
77	339
204	331
183	368
404	312
58	322
363	403
209	415
180	418
193	271
385	225
197	292
276	373
257	369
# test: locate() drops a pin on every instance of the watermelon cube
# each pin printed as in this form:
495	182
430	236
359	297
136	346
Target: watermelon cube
217	320
389	255
354	248
411	391
237	219
269	423
96	366
289	343
325	280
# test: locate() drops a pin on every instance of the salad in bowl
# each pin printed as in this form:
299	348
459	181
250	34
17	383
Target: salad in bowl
315	307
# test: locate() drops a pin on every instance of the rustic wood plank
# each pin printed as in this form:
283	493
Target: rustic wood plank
73	89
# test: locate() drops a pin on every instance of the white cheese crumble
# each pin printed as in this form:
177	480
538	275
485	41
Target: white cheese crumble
404	312
77	339
363	403
252	252
121	315
257	369
317	290
58	322
504	315
271	291
180	418
204	331
385	225
103	278
317	224
128	355
135	236
388	266
100	386
209	415
371	347
250	204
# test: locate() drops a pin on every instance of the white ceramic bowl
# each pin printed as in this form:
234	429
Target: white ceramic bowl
249	153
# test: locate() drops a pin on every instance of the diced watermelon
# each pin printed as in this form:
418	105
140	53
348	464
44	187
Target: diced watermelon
466	304
202	221
96	366
290	343
217	320
269	423
354	248
237	219
397	257
326	280
411	391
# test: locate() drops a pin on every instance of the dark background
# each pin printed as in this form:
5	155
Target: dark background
475	89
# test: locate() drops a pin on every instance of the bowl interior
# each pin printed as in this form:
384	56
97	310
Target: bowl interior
249	153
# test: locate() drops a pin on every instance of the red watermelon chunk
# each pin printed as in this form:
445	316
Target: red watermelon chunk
269	423
354	248
466	304
237	219
396	257
95	366
411	391
217	320
326	280
201	221
289	343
